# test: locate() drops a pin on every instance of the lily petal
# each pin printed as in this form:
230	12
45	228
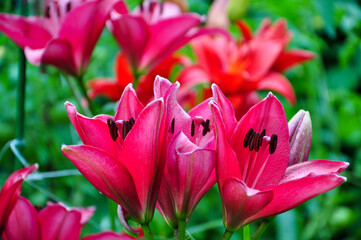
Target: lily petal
129	105
108	236
290	58
291	194
241	202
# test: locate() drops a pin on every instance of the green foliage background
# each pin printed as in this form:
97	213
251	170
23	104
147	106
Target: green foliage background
328	87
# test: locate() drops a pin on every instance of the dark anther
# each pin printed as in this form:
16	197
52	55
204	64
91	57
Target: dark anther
127	126
251	141
203	123
247	138
142	6
131	121
206	127
161	8
256	142
58	11
112	129
192	128
273	144
47	12
172	126
260	139
68	7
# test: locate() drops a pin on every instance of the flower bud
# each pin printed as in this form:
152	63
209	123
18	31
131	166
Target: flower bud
300	130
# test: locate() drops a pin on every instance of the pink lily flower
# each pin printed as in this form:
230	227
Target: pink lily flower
10	193
189	172
242	68
153	31
124	148
64	37
254	175
55	221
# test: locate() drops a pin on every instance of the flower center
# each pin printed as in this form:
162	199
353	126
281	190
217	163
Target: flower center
113	129
254	140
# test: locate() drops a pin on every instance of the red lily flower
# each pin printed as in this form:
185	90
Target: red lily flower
190	161
252	164
153	31
10	193
123	149
55	221
114	89
242	68
65	37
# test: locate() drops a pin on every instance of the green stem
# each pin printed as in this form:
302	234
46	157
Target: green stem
176	233
246	233
76	94
227	235
81	85
112	213
182	229
147	232
262	228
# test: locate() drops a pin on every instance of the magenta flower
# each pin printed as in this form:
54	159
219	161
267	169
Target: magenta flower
64	37
153	31
189	156
252	164
10	193
121	154
55	221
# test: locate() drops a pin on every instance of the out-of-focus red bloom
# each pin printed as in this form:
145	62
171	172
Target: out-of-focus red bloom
255	176
153	31
189	156
123	149
55	221
241	68
10	193
64	37
113	89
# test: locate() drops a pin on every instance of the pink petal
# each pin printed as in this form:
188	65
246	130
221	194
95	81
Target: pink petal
141	155
11	191
166	205
132	33
314	167
245	30
165	36
23	222
226	109
161	87
105	173
274	81
240	202
82	27
122	213
129	105
25	32
291	58
92	131
226	160
218	14
263	169
291	194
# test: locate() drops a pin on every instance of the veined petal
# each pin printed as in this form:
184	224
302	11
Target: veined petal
226	160
92	131
291	194
25	32
23	222
262	169
129	105
105	173
240	202
291	58
314	167
142	147
274	81
82	28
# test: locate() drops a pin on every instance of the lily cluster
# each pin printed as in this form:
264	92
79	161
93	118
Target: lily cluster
160	156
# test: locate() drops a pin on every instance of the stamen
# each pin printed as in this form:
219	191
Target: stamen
58	10
192	128
251	141
247	138
273	144
47	12
142	6
256	142
161	8
112	129
206	127
260	139
172	126
68	7
131	121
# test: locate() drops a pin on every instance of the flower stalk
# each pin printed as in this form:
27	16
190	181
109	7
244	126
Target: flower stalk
181	229
262	228
147	232
227	235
